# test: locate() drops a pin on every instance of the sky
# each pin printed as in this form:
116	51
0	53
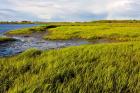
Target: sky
69	10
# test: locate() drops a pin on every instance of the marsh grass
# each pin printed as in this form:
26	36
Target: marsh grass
97	68
117	31
27	31
6	39
120	30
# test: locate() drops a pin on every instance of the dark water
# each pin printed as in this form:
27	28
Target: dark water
23	43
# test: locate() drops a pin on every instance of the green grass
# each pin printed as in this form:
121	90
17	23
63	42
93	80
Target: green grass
99	68
6	39
102	68
118	31
27	31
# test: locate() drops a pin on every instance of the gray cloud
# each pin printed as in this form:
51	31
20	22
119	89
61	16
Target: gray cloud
13	15
69	10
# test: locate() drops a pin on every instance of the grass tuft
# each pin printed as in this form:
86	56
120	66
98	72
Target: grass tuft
6	39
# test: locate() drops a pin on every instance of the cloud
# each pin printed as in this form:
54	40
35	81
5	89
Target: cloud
126	9
69	10
13	15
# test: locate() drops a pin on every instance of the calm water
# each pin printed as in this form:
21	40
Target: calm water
23	43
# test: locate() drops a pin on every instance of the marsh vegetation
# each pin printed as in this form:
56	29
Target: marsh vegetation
6	39
98	68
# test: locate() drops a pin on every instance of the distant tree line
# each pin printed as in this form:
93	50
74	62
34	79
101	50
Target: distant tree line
16	22
70	23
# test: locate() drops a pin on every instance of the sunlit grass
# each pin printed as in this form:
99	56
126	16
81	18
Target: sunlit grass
99	68
82	69
27	31
119	31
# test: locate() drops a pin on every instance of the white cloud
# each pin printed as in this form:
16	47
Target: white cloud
123	10
76	10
